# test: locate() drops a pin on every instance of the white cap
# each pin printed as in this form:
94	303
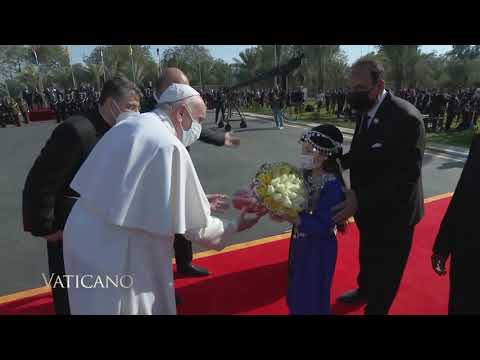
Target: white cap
177	92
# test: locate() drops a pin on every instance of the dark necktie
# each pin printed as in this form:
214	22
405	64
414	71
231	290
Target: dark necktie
364	124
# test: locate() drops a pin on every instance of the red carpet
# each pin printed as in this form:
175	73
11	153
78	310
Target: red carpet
252	281
42	115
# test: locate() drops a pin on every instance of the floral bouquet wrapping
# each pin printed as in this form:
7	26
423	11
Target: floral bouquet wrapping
277	187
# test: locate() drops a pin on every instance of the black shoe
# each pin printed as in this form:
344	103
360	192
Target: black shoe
352	297
192	270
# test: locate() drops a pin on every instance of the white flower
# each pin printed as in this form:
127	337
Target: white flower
270	189
277	197
287	203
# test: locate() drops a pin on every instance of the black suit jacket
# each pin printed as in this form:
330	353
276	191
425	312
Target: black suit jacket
458	232
213	137
385	165
47	194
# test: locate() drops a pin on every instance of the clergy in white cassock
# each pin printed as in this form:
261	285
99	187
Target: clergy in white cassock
138	188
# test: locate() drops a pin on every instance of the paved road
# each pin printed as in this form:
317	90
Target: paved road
23	257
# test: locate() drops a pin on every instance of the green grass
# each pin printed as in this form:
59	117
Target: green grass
463	138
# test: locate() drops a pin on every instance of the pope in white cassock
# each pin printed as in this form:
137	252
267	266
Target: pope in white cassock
137	189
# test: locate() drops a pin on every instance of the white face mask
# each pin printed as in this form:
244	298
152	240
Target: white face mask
193	134
307	162
123	115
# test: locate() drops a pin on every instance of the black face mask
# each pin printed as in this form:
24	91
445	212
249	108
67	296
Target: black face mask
360	101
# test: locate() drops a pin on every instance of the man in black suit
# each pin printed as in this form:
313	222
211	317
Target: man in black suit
386	199
47	196
183	246
458	238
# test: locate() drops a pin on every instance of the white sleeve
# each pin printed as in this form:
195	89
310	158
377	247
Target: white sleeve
215	234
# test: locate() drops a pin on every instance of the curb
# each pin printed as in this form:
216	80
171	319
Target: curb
452	151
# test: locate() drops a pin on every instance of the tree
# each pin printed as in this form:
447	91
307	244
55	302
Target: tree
402	60
248	64
95	73
464	52
194	60
118	61
11	57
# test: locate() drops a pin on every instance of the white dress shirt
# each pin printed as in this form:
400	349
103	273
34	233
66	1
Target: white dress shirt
373	110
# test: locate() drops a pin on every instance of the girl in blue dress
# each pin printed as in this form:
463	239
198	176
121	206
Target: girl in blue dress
313	246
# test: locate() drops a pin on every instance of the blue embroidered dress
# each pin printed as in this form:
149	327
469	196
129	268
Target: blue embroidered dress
313	250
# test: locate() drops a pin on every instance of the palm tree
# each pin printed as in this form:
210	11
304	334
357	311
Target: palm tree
402	60
139	72
248	64
95	71
114	69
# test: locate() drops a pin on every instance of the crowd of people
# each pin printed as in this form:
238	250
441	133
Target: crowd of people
444	106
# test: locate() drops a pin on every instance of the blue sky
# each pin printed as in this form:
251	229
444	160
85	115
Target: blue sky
228	52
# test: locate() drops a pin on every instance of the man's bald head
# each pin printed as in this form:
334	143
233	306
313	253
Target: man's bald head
171	76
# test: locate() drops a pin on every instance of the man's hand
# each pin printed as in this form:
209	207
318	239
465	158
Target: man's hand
347	208
218	202
231	141
438	264
54	237
246	222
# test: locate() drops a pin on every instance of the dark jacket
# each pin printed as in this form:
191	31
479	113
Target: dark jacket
211	136
387	177
47	196
458	231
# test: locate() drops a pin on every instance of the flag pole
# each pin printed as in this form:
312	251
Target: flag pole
159	64
133	68
103	65
71	68
40	83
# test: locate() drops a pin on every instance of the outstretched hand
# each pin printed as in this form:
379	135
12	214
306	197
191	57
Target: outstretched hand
231	141
246	220
218	202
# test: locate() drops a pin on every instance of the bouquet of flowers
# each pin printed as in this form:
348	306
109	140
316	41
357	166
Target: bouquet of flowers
278	188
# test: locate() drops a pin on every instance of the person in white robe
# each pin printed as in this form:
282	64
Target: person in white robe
138	188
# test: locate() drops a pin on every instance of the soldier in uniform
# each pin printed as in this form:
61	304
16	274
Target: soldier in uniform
28	96
327	101
37	99
341	102
69	103
13	113
220	106
24	109
320	100
452	110
60	107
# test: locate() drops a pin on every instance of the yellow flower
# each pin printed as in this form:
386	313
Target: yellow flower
292	213
265	178
275	206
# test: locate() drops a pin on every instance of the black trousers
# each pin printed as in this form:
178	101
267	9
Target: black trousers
449	121
217	111
384	252
56	267
464	290
183	251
